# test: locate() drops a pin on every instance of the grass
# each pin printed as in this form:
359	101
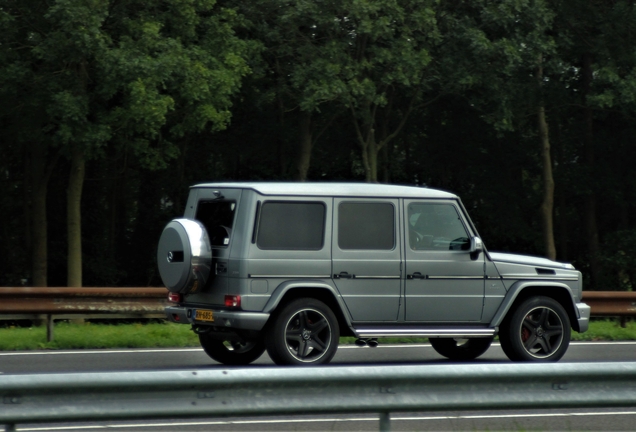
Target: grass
91	335
165	335
607	329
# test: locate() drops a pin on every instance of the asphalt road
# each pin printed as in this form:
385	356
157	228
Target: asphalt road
188	358
387	355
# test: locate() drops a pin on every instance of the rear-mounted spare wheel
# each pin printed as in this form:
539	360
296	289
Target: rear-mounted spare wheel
184	256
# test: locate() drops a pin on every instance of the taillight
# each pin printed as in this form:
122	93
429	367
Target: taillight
232	301
175	297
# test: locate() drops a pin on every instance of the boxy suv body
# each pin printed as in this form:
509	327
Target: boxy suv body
291	267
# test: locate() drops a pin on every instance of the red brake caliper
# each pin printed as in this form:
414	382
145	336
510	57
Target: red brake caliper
525	333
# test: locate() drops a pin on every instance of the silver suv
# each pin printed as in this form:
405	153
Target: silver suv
291	267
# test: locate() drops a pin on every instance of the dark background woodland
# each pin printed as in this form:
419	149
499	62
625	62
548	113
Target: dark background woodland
111	109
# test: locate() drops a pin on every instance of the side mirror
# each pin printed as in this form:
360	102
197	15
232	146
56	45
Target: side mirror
476	247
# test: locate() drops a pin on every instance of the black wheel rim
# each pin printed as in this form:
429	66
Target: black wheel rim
308	335
541	332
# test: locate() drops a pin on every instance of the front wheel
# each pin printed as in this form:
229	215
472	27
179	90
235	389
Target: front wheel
305	332
232	352
537	330
460	349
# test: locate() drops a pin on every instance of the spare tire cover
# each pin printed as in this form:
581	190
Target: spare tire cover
184	256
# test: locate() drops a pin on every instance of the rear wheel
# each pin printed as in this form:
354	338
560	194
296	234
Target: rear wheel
305	332
537	330
232	352
460	349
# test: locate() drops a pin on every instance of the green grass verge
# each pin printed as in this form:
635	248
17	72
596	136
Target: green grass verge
165	335
90	335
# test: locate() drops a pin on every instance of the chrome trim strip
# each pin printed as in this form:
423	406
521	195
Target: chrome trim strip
426	332
456	277
539	277
376	277
290	276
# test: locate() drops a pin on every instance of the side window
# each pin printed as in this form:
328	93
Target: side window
291	225
217	217
436	227
366	226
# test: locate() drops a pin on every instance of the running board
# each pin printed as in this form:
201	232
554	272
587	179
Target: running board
424	332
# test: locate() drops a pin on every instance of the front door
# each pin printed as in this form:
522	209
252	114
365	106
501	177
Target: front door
443	281
366	257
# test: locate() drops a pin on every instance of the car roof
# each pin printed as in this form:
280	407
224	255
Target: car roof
333	189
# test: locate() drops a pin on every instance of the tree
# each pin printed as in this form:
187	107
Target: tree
505	74
128	74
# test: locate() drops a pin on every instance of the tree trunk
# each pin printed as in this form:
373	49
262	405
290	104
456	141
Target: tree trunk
547	206
372	157
39	183
303	157
27	214
74	217
591	229
367	139
562	202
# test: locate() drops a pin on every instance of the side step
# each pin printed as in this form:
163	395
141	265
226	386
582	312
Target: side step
376	332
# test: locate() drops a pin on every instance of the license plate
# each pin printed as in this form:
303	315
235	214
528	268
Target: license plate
203	315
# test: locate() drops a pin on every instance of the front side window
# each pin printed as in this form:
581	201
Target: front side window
436	227
218	218
291	225
366	226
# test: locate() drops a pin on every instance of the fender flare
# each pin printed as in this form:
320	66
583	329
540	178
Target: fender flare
281	290
518	287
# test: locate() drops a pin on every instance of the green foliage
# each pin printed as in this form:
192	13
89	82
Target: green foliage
164	94
124	73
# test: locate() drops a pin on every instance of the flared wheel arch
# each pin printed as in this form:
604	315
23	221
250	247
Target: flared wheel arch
286	294
519	293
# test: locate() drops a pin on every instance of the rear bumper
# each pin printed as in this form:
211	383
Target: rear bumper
584	316
242	320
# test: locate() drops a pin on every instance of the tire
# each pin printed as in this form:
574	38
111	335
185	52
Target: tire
232	353
304	332
460	349
537	330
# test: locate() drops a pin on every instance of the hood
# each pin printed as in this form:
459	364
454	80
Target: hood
528	260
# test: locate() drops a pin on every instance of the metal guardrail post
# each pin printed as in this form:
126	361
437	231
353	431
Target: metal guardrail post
50	328
385	421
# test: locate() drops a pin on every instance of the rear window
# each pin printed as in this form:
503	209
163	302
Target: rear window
218	218
291	225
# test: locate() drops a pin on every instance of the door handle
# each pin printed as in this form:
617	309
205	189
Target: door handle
416	275
344	275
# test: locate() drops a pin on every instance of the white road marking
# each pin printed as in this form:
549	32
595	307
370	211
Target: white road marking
181	350
327	420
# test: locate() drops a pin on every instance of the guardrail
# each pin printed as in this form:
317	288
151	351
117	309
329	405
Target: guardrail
611	303
326	390
50	304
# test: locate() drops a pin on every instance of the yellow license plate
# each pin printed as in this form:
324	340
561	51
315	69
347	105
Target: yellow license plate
203	315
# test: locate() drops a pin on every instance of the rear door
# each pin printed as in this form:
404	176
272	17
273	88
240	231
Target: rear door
366	257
